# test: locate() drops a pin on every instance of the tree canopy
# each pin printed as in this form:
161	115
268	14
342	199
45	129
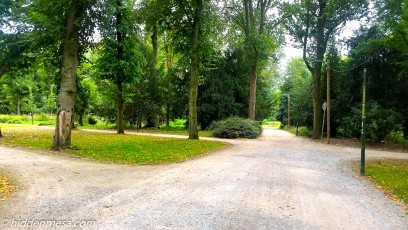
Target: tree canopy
146	63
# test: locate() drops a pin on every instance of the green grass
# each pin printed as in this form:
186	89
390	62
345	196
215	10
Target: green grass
303	131
171	130
129	149
390	176
276	124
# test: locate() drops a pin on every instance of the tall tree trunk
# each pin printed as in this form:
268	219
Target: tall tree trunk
251	51
81	119
152	120
252	89
168	116
18	106
69	66
195	66
316	101
119	85
316	73
119	104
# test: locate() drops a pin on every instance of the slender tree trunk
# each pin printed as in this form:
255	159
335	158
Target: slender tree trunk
119	103
18	106
167	116
195	66
316	73
119	85
317	105
252	90
69	66
1	135
81	120
152	120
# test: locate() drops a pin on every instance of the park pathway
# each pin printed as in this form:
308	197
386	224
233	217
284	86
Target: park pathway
276	182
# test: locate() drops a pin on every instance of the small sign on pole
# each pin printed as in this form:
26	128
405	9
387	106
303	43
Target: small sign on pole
324	107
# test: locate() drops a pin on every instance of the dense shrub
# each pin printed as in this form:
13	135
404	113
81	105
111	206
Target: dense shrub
92	120
379	123
235	127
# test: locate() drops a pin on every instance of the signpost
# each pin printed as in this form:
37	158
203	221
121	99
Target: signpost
328	101
324	107
363	116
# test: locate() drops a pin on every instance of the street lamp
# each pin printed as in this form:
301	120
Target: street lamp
288	95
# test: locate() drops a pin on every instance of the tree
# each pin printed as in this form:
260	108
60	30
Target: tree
297	82
312	23
120	60
64	27
259	43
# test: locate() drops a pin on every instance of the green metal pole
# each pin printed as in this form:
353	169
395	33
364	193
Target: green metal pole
363	114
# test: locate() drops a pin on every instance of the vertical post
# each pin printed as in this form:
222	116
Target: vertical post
328	101
324	107
363	116
289	110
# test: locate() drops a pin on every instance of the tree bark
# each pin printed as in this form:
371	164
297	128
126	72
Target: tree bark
316	73
119	104
68	72
152	120
251	51
195	66
18	106
252	90
119	85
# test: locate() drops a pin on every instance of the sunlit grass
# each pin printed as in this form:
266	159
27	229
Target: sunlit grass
115	148
390	176
163	130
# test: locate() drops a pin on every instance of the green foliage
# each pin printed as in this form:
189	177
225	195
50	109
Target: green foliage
303	131
92	120
126	149
10	119
380	122
271	123
297	81
39	119
235	127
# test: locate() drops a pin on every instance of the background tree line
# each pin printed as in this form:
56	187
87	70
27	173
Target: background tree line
379	46
144	63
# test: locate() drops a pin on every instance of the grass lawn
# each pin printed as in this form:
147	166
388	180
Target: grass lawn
390	176
6	187
129	149
163	130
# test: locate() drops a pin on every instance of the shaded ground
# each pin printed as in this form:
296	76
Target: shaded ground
383	146
276	182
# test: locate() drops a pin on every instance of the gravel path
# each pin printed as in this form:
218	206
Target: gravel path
277	182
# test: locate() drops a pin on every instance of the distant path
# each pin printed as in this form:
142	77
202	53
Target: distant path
276	182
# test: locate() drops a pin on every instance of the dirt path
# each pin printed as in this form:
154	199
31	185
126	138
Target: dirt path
277	182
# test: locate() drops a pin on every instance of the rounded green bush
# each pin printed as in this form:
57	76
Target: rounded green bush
235	127
92	120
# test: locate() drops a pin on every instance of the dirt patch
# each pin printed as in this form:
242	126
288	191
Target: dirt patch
382	146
